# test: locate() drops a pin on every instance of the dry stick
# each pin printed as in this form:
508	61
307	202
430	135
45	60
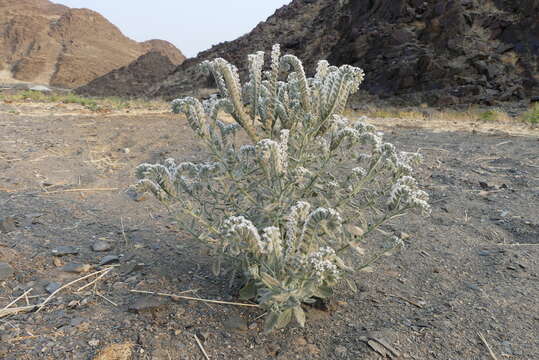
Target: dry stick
123	230
492	355
17	299
94	281
106	299
201	347
411	302
11	311
194	298
525	244
79	190
67	285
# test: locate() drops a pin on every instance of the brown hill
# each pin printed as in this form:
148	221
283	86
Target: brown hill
131	80
52	44
435	51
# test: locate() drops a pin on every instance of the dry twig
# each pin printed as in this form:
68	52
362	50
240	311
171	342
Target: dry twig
491	353
40	306
194	298
201	347
79	190
17	299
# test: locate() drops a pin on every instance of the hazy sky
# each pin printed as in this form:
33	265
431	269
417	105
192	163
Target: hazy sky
191	25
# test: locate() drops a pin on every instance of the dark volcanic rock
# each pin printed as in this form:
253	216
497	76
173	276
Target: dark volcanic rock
436	51
133	79
6	271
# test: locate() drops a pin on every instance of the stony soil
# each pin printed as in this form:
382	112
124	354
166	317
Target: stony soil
471	268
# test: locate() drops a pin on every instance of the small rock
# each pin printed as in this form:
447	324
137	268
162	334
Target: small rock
52	287
126	150
101	245
93	342
65	250
6	271
313	349
340	350
300	341
77	321
235	323
57	262
109	259
146	304
129	267
76	268
7	225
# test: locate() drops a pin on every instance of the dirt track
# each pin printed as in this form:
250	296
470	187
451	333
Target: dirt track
472	267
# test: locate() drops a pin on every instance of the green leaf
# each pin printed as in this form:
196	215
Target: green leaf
216	267
248	291
271	322
299	314
351	285
284	319
268	280
323	292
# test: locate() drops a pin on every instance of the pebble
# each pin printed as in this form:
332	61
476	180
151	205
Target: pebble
57	262
146	304
52	287
235	323
65	250
7	225
340	350
76	268
109	259
101	245
6	271
93	342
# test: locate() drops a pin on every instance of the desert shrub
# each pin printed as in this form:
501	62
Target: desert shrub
291	203
532	115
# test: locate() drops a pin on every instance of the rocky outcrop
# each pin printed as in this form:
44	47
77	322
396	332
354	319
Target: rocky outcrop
52	44
435	51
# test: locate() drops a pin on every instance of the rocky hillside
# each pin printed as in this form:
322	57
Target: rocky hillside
52	44
435	51
131	80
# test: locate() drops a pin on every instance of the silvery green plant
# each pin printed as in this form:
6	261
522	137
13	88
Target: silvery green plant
291	203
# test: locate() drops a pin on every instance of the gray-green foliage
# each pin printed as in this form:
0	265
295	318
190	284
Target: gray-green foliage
291	207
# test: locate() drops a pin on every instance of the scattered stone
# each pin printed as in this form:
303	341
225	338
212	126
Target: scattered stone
57	262
340	350
6	271
7	225
126	150
235	323
77	321
65	250
313	349
93	342
273	349
146	304
76	268
300	341
101	245
52	287
129	267
109	259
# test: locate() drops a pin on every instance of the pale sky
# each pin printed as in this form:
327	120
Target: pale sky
191	25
